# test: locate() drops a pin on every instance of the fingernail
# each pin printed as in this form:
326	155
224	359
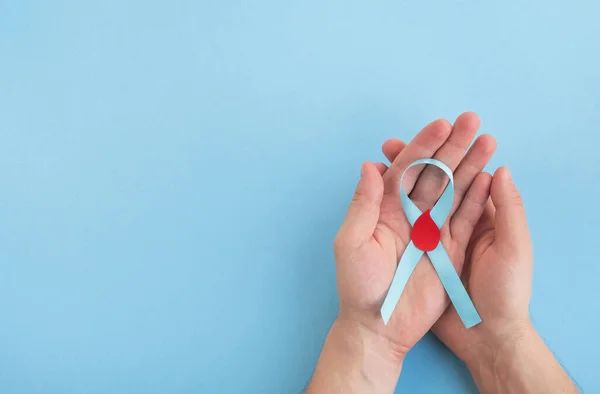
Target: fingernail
362	170
508	174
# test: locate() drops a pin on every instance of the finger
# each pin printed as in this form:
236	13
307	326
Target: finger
363	213
486	221
381	167
510	220
471	165
472	206
391	148
432	180
425	143
483	226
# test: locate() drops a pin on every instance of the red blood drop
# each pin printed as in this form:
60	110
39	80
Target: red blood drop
425	233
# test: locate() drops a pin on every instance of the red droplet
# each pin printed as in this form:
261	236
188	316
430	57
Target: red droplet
425	233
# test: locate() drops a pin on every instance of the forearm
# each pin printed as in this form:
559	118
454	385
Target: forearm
355	360
523	366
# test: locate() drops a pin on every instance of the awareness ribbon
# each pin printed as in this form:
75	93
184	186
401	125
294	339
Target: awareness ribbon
425	238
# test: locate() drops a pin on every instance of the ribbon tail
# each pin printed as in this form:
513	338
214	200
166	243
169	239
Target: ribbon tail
454	287
407	264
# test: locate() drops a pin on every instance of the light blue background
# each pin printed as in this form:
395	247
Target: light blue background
172	175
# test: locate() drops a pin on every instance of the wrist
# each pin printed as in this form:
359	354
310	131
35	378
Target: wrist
356	359
495	342
491	359
375	346
518	362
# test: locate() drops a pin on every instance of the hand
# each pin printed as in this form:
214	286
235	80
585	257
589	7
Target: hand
497	274
376	231
504	353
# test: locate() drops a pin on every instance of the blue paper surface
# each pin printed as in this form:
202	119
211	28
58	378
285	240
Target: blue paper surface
172	175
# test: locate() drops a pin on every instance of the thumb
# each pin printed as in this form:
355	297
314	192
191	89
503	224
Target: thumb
363	213
511	224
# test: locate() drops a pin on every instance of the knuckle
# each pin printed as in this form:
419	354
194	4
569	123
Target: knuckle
358	197
344	243
339	242
517	200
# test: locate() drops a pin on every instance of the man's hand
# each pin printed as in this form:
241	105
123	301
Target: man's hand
497	274
503	353
373	237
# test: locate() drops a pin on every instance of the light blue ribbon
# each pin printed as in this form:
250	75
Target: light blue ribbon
439	257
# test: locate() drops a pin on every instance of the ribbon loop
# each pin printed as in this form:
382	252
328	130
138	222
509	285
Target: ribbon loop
426	240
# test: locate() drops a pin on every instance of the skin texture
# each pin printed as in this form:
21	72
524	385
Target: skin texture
489	245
